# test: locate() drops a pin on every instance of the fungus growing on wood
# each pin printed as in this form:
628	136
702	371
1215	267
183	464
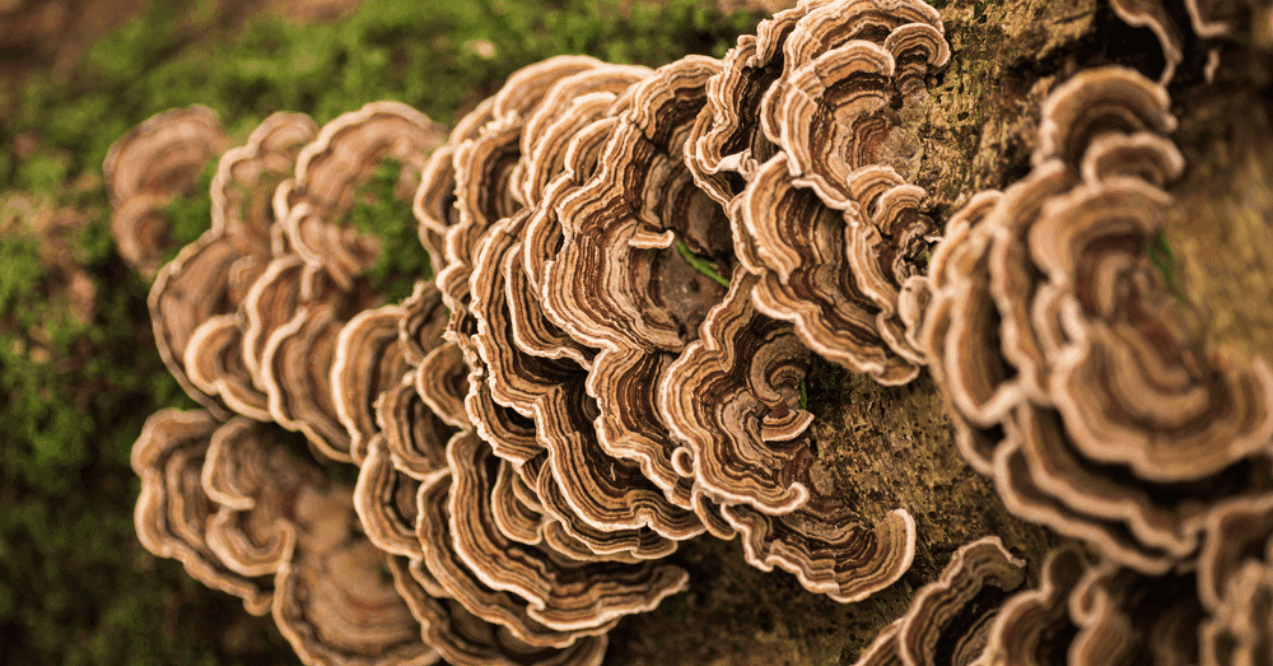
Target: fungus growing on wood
195	295
1033	626
249	519
949	617
147	168
1073	377
173	509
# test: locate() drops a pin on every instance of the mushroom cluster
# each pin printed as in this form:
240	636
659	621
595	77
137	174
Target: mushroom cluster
1072	374
591	379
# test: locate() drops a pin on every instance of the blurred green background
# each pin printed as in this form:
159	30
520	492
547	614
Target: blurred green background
78	368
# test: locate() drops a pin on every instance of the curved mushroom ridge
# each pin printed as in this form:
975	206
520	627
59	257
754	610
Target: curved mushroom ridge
617	281
1126	618
368	361
733	397
464	639
837	275
1033	627
147	168
727	143
953	613
173	510
1235	583
345	154
1073	379
562	594
215	274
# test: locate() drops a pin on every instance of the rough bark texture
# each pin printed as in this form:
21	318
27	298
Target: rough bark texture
881	448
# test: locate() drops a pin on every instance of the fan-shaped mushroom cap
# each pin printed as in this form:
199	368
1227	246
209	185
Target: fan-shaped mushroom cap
629	215
345	154
296	361
566	596
1235	582
953	613
727	143
369	360
827	546
837	274
331	601
214	363
173	509
149	166
733	397
434	203
1033	626
1124	617
469	586
385	500
213	275
1153	15
464	639
1065	358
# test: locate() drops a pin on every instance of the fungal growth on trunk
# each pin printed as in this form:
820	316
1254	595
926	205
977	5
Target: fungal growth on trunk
1074	379
633	277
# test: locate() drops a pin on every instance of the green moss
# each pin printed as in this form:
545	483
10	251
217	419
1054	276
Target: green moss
377	211
190	216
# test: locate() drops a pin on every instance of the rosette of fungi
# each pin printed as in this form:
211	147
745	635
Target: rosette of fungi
150	166
195	300
948	619
316	282
245	517
528	396
609	252
733	399
800	141
1071	375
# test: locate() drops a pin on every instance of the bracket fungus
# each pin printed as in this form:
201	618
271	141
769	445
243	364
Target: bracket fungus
147	168
1073	378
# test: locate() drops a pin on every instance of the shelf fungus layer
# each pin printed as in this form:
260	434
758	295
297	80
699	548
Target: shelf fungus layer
149	167
948	619
248	518
1066	357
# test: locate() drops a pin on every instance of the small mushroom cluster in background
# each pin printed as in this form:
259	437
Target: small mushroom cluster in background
634	268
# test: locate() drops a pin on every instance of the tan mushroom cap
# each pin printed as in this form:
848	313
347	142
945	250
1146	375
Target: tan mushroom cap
385	500
617	281
331	601
214	363
1153	14
270	303
727	142
434	203
952	613
243	186
251	477
514	613
464	639
562	595
297	359
149	166
190	290
173	510
1032	626
368	361
345	154
837	275
827	546
1124	617
832	25
415	436
733	397
1235	582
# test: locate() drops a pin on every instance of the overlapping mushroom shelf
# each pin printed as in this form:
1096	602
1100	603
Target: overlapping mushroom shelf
632	271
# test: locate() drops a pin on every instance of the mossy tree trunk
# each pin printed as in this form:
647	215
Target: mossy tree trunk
883	448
